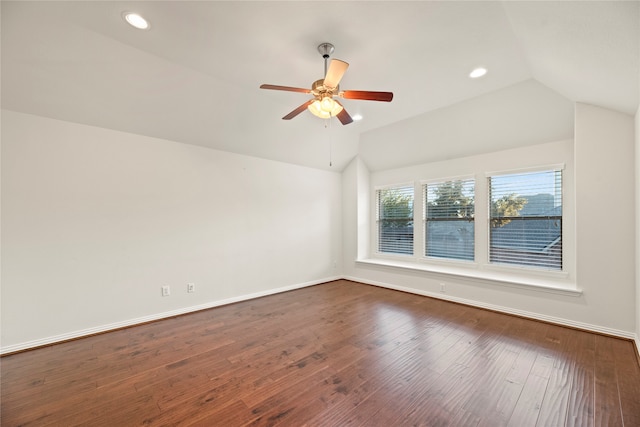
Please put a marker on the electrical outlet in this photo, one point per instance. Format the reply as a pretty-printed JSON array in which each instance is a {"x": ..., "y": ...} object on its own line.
[
  {"x": 443, "y": 287},
  {"x": 191, "y": 287},
  {"x": 166, "y": 291}
]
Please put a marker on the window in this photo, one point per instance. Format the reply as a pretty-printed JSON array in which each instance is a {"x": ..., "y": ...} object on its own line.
[
  {"x": 525, "y": 219},
  {"x": 448, "y": 220},
  {"x": 395, "y": 220}
]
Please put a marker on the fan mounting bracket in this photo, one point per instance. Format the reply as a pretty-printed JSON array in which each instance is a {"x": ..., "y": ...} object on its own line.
[{"x": 326, "y": 50}]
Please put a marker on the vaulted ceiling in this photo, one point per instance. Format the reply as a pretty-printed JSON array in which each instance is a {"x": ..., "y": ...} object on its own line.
[{"x": 194, "y": 76}]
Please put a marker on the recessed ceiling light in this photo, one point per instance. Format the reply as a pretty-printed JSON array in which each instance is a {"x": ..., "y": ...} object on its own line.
[
  {"x": 356, "y": 117},
  {"x": 136, "y": 20},
  {"x": 478, "y": 72}
]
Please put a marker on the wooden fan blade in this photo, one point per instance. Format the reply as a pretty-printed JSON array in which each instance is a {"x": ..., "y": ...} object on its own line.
[
  {"x": 298, "y": 110},
  {"x": 367, "y": 95},
  {"x": 343, "y": 116},
  {"x": 287, "y": 88},
  {"x": 335, "y": 72}
]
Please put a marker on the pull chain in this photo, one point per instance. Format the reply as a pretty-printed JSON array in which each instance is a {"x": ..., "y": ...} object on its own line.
[{"x": 327, "y": 125}]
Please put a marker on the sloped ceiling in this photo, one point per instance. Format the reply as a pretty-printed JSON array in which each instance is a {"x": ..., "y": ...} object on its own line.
[
  {"x": 193, "y": 77},
  {"x": 525, "y": 113}
]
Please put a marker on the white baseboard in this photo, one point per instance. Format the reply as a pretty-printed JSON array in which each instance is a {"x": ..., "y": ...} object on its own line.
[
  {"x": 158, "y": 316},
  {"x": 506, "y": 310}
]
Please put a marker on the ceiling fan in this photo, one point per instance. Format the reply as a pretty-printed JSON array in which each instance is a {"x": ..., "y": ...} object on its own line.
[{"x": 323, "y": 104}]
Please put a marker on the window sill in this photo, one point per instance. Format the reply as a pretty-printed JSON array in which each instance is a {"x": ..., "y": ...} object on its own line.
[{"x": 491, "y": 274}]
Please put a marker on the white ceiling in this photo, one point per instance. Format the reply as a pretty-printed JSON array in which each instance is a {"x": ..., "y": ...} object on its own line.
[{"x": 194, "y": 76}]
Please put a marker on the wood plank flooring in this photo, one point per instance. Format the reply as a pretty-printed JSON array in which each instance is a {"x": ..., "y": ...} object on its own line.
[{"x": 336, "y": 354}]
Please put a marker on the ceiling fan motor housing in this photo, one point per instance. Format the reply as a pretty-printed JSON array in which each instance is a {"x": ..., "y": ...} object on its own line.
[{"x": 319, "y": 90}]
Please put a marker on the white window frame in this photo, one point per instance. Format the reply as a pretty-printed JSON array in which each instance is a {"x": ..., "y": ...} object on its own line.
[{"x": 479, "y": 271}]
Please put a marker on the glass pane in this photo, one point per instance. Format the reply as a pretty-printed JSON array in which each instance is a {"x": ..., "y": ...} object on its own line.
[
  {"x": 396, "y": 238},
  {"x": 451, "y": 199},
  {"x": 526, "y": 219},
  {"x": 529, "y": 242},
  {"x": 395, "y": 220},
  {"x": 531, "y": 194},
  {"x": 450, "y": 239},
  {"x": 449, "y": 213}
]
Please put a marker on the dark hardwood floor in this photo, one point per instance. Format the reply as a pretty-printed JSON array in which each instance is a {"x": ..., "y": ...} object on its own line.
[{"x": 336, "y": 354}]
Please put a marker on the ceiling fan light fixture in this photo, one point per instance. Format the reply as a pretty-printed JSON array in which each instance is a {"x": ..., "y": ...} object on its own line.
[
  {"x": 325, "y": 108},
  {"x": 327, "y": 104}
]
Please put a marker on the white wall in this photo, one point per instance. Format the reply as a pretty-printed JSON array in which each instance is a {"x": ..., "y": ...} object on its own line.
[
  {"x": 604, "y": 268},
  {"x": 637, "y": 160},
  {"x": 355, "y": 192},
  {"x": 94, "y": 221},
  {"x": 605, "y": 176}
]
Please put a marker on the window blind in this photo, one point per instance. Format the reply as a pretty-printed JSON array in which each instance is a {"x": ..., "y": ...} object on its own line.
[
  {"x": 525, "y": 221},
  {"x": 449, "y": 219},
  {"x": 395, "y": 220}
]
